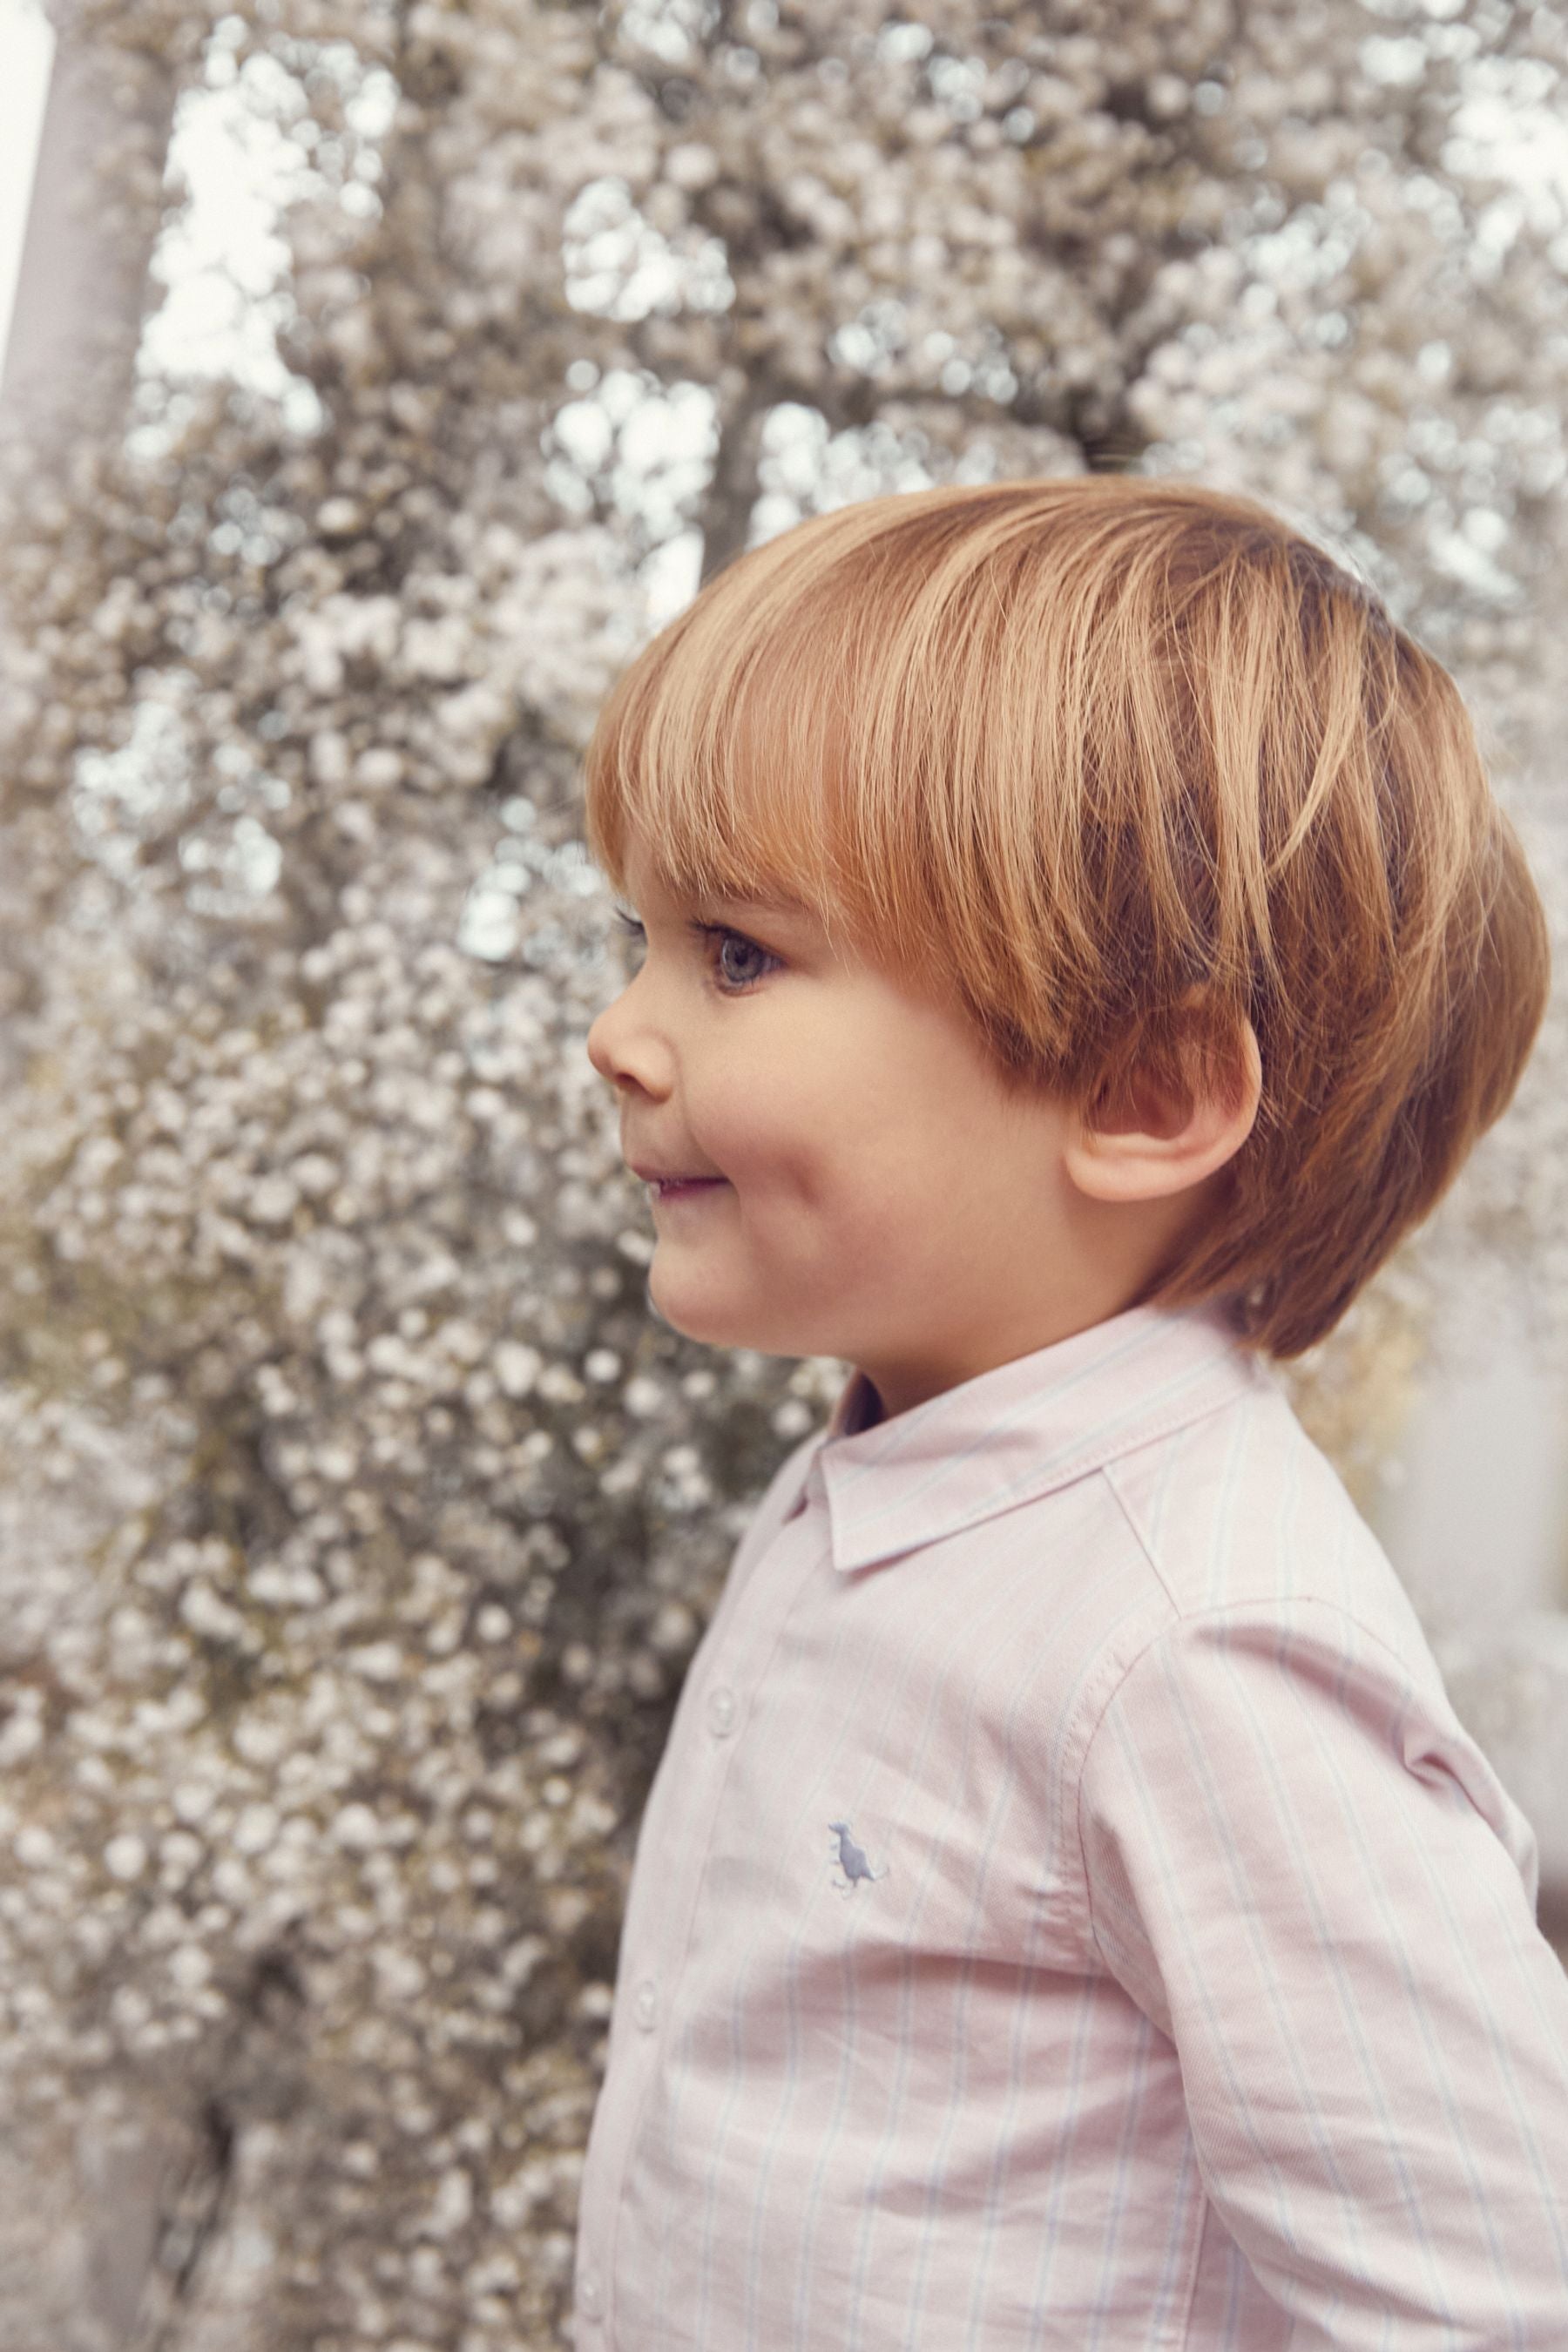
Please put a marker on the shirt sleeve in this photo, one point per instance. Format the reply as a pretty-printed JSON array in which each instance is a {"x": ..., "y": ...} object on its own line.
[{"x": 1302, "y": 1869}]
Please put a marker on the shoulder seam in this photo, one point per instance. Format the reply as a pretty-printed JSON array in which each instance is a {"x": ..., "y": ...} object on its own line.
[
  {"x": 1191, "y": 1620},
  {"x": 1106, "y": 1470}
]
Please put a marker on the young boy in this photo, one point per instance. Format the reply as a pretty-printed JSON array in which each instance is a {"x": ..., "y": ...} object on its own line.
[{"x": 1068, "y": 1913}]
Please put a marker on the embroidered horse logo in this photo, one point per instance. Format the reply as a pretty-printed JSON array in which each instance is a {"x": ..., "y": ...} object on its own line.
[{"x": 851, "y": 1860}]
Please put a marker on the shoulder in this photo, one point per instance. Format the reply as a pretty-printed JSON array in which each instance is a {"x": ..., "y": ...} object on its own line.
[
  {"x": 1287, "y": 1636},
  {"x": 1242, "y": 1512},
  {"x": 1275, "y": 1596},
  {"x": 1235, "y": 1526}
]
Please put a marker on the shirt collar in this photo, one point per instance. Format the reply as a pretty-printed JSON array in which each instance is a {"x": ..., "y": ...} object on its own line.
[{"x": 1018, "y": 1430}]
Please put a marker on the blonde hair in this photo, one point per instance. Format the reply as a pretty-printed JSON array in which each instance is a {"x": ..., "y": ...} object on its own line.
[{"x": 1115, "y": 763}]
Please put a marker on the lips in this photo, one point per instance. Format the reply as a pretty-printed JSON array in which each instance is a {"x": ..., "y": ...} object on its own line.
[{"x": 670, "y": 1175}]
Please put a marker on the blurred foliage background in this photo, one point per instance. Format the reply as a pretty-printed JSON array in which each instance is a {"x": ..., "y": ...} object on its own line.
[{"x": 359, "y": 1515}]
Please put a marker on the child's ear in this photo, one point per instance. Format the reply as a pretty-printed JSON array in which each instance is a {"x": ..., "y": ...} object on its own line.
[{"x": 1151, "y": 1134}]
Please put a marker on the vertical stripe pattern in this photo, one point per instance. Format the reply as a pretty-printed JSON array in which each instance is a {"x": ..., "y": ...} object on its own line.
[{"x": 1068, "y": 1913}]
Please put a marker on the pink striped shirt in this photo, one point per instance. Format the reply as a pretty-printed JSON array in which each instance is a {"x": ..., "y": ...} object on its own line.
[{"x": 1068, "y": 1913}]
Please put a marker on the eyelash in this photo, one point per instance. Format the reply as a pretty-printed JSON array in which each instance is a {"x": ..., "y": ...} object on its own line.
[{"x": 718, "y": 933}]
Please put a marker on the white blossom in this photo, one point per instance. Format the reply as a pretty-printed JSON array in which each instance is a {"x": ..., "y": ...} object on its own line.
[{"x": 351, "y": 1494}]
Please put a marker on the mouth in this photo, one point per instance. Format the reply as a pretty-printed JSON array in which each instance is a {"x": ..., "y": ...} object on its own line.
[{"x": 665, "y": 1184}]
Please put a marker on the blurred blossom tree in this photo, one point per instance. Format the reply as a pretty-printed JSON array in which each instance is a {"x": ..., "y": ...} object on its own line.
[{"x": 360, "y": 1518}]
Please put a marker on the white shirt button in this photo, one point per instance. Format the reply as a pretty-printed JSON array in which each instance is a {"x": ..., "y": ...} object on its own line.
[
  {"x": 721, "y": 1711},
  {"x": 645, "y": 2005},
  {"x": 590, "y": 2298}
]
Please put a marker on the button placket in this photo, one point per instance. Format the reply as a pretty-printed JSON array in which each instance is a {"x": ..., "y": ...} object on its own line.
[{"x": 686, "y": 1843}]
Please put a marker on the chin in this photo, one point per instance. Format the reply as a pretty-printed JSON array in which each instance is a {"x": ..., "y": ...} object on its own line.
[
  {"x": 714, "y": 1325},
  {"x": 685, "y": 1314}
]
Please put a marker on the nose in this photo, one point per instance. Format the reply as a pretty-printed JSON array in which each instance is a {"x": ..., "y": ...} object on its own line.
[{"x": 625, "y": 1049}]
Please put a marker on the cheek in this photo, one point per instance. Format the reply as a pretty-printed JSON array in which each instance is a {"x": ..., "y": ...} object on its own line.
[
  {"x": 839, "y": 1109},
  {"x": 814, "y": 1150},
  {"x": 770, "y": 1125},
  {"x": 760, "y": 1145}
]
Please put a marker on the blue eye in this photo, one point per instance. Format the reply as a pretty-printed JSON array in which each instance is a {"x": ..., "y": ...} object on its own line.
[
  {"x": 723, "y": 939},
  {"x": 718, "y": 937}
]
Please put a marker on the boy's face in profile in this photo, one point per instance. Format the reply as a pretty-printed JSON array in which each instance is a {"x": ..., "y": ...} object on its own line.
[{"x": 883, "y": 1198}]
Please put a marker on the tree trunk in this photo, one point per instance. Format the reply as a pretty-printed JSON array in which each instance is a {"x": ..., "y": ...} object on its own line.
[
  {"x": 733, "y": 490},
  {"x": 83, "y": 287}
]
